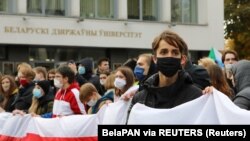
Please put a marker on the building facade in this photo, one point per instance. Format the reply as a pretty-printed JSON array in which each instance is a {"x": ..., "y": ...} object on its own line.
[{"x": 49, "y": 32}]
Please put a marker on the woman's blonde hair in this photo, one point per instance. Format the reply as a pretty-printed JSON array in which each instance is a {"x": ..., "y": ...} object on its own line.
[
  {"x": 23, "y": 65},
  {"x": 34, "y": 106},
  {"x": 109, "y": 84},
  {"x": 206, "y": 62},
  {"x": 218, "y": 80},
  {"x": 28, "y": 73},
  {"x": 86, "y": 91}
]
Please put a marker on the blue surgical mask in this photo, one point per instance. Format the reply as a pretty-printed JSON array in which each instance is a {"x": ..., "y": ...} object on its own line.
[
  {"x": 81, "y": 70},
  {"x": 35, "y": 80},
  {"x": 138, "y": 71},
  {"x": 37, "y": 93}
]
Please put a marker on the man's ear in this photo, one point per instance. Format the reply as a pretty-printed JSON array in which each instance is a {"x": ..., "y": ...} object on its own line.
[
  {"x": 183, "y": 60},
  {"x": 66, "y": 79}
]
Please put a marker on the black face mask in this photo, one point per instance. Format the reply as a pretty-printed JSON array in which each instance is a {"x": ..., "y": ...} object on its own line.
[
  {"x": 168, "y": 65},
  {"x": 51, "y": 82}
]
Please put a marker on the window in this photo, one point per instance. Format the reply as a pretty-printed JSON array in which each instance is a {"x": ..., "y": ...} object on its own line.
[
  {"x": 8, "y": 68},
  {"x": 2, "y": 52},
  {"x": 46, "y": 7},
  {"x": 55, "y": 7},
  {"x": 7, "y": 6},
  {"x": 87, "y": 8},
  {"x": 42, "y": 54},
  {"x": 143, "y": 9},
  {"x": 134, "y": 9},
  {"x": 34, "y": 6},
  {"x": 67, "y": 54},
  {"x": 184, "y": 11},
  {"x": 97, "y": 8},
  {"x": 3, "y": 6}
]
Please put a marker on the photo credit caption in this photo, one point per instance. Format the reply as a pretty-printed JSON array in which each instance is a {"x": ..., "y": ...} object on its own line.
[{"x": 173, "y": 131}]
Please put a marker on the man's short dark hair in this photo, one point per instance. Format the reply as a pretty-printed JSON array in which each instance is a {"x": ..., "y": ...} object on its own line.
[
  {"x": 102, "y": 60},
  {"x": 171, "y": 38},
  {"x": 229, "y": 52},
  {"x": 66, "y": 71}
]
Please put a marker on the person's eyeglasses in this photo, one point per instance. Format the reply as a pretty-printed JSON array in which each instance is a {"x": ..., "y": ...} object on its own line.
[{"x": 232, "y": 59}]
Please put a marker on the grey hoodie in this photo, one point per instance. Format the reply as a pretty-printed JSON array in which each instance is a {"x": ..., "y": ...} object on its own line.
[{"x": 241, "y": 72}]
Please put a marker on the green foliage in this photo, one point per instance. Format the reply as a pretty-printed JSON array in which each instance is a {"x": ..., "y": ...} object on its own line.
[{"x": 237, "y": 25}]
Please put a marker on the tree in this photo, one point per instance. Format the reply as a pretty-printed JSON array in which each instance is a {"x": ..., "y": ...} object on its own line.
[{"x": 237, "y": 25}]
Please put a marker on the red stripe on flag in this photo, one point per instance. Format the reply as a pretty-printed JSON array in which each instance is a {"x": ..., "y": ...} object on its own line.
[
  {"x": 9, "y": 138},
  {"x": 35, "y": 137}
]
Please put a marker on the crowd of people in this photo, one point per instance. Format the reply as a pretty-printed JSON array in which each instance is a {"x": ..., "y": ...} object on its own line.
[{"x": 166, "y": 78}]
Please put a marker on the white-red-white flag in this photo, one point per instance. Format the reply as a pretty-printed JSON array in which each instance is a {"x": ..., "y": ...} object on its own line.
[{"x": 68, "y": 128}]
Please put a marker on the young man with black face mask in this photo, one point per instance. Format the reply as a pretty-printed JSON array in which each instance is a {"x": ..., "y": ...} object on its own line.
[{"x": 171, "y": 86}]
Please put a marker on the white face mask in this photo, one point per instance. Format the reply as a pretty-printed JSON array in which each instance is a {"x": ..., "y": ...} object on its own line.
[
  {"x": 120, "y": 83},
  {"x": 228, "y": 67},
  {"x": 91, "y": 102},
  {"x": 102, "y": 81},
  {"x": 57, "y": 83}
]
